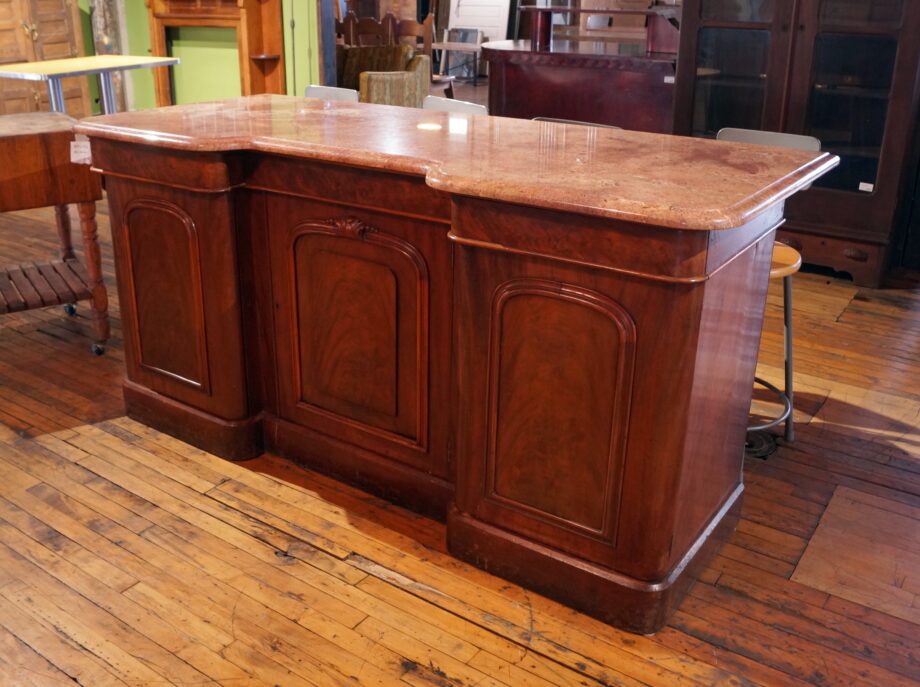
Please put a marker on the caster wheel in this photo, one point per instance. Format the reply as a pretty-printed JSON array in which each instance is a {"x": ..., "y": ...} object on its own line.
[
  {"x": 97, "y": 349},
  {"x": 759, "y": 444},
  {"x": 70, "y": 309}
]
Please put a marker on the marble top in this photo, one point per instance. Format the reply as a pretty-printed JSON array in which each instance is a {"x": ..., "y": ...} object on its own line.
[
  {"x": 80, "y": 66},
  {"x": 30, "y": 123},
  {"x": 671, "y": 181}
]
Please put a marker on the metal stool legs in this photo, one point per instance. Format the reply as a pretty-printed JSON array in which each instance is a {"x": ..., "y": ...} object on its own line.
[
  {"x": 786, "y": 396},
  {"x": 789, "y": 433}
]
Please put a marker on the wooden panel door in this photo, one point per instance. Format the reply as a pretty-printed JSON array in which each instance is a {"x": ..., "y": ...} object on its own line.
[
  {"x": 560, "y": 366},
  {"x": 178, "y": 288},
  {"x": 16, "y": 46},
  {"x": 364, "y": 352},
  {"x": 58, "y": 35}
]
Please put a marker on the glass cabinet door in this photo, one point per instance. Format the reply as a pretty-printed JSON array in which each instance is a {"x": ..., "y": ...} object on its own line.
[
  {"x": 852, "y": 66},
  {"x": 731, "y": 78},
  {"x": 738, "y": 10},
  {"x": 738, "y": 51}
]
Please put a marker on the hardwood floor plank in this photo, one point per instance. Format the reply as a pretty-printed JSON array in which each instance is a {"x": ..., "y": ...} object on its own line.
[
  {"x": 21, "y": 662},
  {"x": 81, "y": 633},
  {"x": 70, "y": 658}
]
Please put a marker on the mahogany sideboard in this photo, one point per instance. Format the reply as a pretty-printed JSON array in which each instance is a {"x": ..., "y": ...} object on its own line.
[
  {"x": 613, "y": 83},
  {"x": 545, "y": 333}
]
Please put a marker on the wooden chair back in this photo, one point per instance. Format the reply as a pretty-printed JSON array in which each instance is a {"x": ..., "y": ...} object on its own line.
[
  {"x": 364, "y": 8},
  {"x": 370, "y": 31},
  {"x": 363, "y": 31},
  {"x": 419, "y": 35}
]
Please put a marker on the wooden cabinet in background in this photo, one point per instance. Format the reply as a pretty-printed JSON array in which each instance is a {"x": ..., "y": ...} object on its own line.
[
  {"x": 844, "y": 71},
  {"x": 259, "y": 37},
  {"x": 33, "y": 30}
]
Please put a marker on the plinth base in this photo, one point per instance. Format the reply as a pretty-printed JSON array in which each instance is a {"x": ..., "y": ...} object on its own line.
[{"x": 635, "y": 605}]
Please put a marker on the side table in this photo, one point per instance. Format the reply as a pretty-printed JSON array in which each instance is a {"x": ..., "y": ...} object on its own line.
[{"x": 37, "y": 172}]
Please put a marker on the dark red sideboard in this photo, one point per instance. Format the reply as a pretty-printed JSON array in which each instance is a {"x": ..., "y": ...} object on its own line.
[{"x": 588, "y": 81}]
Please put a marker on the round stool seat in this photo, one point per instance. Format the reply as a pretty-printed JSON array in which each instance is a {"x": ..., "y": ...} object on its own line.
[{"x": 786, "y": 260}]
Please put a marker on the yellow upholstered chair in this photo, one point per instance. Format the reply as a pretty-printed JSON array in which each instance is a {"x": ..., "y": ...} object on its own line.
[{"x": 386, "y": 74}]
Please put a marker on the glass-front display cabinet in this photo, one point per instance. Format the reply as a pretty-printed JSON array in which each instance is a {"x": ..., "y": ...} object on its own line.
[{"x": 843, "y": 71}]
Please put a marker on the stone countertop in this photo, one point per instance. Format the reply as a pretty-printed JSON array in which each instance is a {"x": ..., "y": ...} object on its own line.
[
  {"x": 31, "y": 123},
  {"x": 671, "y": 181}
]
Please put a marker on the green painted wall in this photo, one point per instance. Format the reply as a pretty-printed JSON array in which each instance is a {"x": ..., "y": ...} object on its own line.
[
  {"x": 139, "y": 44},
  {"x": 209, "y": 67},
  {"x": 301, "y": 47},
  {"x": 89, "y": 49}
]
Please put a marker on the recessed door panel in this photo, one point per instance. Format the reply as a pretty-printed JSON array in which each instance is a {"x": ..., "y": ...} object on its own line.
[
  {"x": 349, "y": 321},
  {"x": 165, "y": 280},
  {"x": 362, "y": 349},
  {"x": 560, "y": 374},
  {"x": 359, "y": 334}
]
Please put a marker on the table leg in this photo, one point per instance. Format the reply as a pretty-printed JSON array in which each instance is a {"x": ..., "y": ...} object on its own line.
[
  {"x": 93, "y": 264},
  {"x": 107, "y": 92},
  {"x": 56, "y": 94},
  {"x": 475, "y": 70},
  {"x": 62, "y": 217}
]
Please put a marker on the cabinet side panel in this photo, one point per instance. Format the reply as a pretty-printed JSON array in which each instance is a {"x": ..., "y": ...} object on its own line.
[{"x": 732, "y": 316}]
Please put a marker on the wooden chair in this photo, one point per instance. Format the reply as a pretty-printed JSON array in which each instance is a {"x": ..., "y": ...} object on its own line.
[
  {"x": 386, "y": 74},
  {"x": 355, "y": 30},
  {"x": 38, "y": 172},
  {"x": 420, "y": 35},
  {"x": 786, "y": 262},
  {"x": 370, "y": 31}
]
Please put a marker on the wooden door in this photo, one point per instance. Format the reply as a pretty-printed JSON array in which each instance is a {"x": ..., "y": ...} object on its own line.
[
  {"x": 58, "y": 35},
  {"x": 16, "y": 46}
]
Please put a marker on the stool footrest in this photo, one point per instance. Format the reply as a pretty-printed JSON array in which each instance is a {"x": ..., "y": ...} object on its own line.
[
  {"x": 782, "y": 397},
  {"x": 39, "y": 284}
]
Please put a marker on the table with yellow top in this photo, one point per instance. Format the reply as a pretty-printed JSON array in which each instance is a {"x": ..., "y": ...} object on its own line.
[{"x": 52, "y": 71}]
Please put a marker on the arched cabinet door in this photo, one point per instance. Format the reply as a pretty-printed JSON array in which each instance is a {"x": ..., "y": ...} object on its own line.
[
  {"x": 560, "y": 371},
  {"x": 179, "y": 294},
  {"x": 354, "y": 345}
]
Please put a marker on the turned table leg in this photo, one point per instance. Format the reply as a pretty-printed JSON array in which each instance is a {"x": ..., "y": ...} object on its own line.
[
  {"x": 63, "y": 228},
  {"x": 100, "y": 300}
]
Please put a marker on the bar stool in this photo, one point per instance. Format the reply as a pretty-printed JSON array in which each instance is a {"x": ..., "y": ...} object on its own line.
[{"x": 786, "y": 261}]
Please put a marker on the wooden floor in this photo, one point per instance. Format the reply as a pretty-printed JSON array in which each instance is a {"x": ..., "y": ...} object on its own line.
[{"x": 129, "y": 558}]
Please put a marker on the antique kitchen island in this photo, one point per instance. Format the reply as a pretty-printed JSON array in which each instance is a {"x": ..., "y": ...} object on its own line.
[{"x": 546, "y": 333}]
